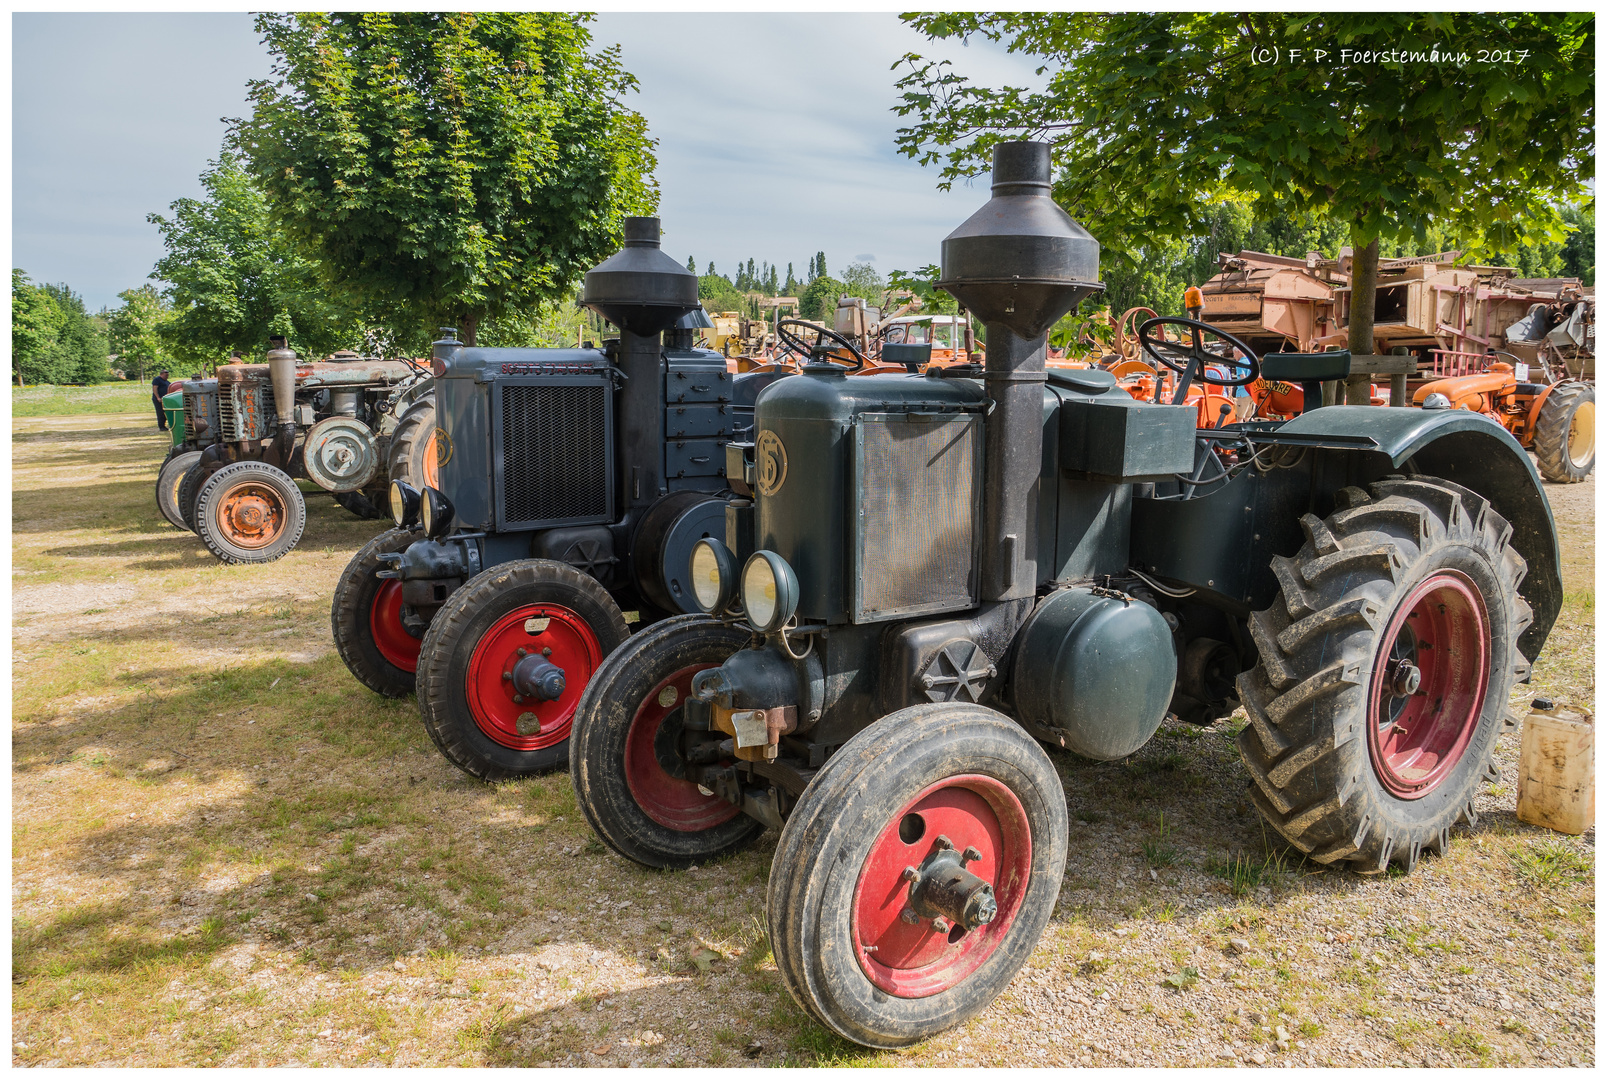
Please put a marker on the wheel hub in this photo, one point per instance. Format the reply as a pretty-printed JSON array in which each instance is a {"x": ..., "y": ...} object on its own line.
[
  {"x": 1405, "y": 678},
  {"x": 526, "y": 675},
  {"x": 536, "y": 678},
  {"x": 250, "y": 516},
  {"x": 943, "y": 890}
]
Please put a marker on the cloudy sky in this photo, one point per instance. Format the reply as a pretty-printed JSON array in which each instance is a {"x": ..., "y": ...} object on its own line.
[{"x": 775, "y": 135}]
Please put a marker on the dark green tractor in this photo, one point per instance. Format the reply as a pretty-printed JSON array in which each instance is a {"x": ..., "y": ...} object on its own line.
[{"x": 936, "y": 576}]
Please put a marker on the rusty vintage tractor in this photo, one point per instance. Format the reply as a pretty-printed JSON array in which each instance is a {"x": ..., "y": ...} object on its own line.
[
  {"x": 1557, "y": 421},
  {"x": 935, "y": 576}
]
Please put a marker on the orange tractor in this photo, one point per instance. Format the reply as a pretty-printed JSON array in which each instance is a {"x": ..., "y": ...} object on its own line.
[{"x": 1556, "y": 421}]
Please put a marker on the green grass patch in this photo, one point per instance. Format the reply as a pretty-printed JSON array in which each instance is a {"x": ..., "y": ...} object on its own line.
[
  {"x": 106, "y": 399},
  {"x": 1549, "y": 864}
]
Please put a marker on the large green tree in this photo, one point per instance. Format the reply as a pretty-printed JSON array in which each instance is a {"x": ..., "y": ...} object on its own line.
[
  {"x": 134, "y": 331},
  {"x": 1390, "y": 123},
  {"x": 54, "y": 338},
  {"x": 458, "y": 166},
  {"x": 233, "y": 279}
]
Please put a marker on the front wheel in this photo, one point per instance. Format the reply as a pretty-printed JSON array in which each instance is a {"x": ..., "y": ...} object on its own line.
[
  {"x": 627, "y": 773},
  {"x": 250, "y": 512},
  {"x": 1386, "y": 663},
  {"x": 366, "y": 619},
  {"x": 1565, "y": 433},
  {"x": 168, "y": 482},
  {"x": 917, "y": 873},
  {"x": 505, "y": 662}
]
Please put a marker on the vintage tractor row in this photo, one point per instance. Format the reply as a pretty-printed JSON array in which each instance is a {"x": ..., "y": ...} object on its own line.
[
  {"x": 572, "y": 484},
  {"x": 935, "y": 575},
  {"x": 349, "y": 425}
]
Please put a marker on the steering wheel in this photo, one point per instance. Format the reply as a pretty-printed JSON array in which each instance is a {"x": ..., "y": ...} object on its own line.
[
  {"x": 1190, "y": 357},
  {"x": 818, "y": 350}
]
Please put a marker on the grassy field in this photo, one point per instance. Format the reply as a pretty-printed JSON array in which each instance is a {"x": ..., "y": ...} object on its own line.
[
  {"x": 104, "y": 400},
  {"x": 226, "y": 852}
]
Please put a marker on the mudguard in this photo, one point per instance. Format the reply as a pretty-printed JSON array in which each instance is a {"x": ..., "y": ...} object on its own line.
[{"x": 1470, "y": 449}]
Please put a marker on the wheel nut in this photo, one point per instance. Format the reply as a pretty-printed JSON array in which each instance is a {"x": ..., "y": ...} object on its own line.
[
  {"x": 517, "y": 700},
  {"x": 522, "y": 653},
  {"x": 546, "y": 652},
  {"x": 970, "y": 854},
  {"x": 944, "y": 843},
  {"x": 909, "y": 916},
  {"x": 507, "y": 676},
  {"x": 940, "y": 924},
  {"x": 910, "y": 873}
]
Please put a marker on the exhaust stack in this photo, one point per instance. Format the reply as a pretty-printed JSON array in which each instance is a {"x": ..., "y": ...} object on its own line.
[
  {"x": 1019, "y": 264},
  {"x": 282, "y": 375},
  {"x": 644, "y": 292}
]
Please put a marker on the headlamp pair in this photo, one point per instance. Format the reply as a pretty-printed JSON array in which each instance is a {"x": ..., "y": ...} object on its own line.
[
  {"x": 769, "y": 588},
  {"x": 410, "y": 506}
]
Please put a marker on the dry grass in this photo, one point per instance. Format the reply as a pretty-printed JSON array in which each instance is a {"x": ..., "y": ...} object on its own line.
[{"x": 226, "y": 852}]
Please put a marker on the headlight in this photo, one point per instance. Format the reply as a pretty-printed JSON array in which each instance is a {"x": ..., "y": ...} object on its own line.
[
  {"x": 769, "y": 591},
  {"x": 404, "y": 504},
  {"x": 714, "y": 575},
  {"x": 436, "y": 513}
]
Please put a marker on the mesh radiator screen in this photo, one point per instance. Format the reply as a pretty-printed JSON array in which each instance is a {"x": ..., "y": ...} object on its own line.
[
  {"x": 554, "y": 453},
  {"x": 917, "y": 547}
]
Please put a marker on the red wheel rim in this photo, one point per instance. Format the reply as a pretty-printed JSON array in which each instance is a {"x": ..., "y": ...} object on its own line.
[
  {"x": 396, "y": 645},
  {"x": 916, "y": 961},
  {"x": 672, "y": 802},
  {"x": 533, "y": 628},
  {"x": 1417, "y": 734}
]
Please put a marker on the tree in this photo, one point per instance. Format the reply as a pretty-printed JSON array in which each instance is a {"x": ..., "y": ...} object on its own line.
[
  {"x": 819, "y": 300},
  {"x": 791, "y": 287},
  {"x": 232, "y": 278},
  {"x": 134, "y": 331},
  {"x": 454, "y": 166},
  {"x": 861, "y": 279},
  {"x": 36, "y": 324},
  {"x": 1158, "y": 117},
  {"x": 691, "y": 264}
]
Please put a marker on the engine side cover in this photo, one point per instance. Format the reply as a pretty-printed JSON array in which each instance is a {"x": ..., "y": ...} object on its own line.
[{"x": 1094, "y": 671}]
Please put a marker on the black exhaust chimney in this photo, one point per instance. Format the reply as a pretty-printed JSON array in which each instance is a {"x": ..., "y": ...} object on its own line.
[
  {"x": 1019, "y": 264},
  {"x": 642, "y": 291}
]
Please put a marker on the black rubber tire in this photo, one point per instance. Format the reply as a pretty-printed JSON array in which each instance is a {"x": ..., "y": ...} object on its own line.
[
  {"x": 360, "y": 504},
  {"x": 1306, "y": 746},
  {"x": 602, "y": 722},
  {"x": 168, "y": 482},
  {"x": 189, "y": 488},
  {"x": 831, "y": 830},
  {"x": 456, "y": 630},
  {"x": 290, "y": 500},
  {"x": 413, "y": 438},
  {"x": 1553, "y": 429},
  {"x": 351, "y": 611}
]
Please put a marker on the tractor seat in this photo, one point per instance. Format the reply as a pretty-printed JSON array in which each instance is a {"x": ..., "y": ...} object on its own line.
[
  {"x": 912, "y": 357},
  {"x": 1083, "y": 380},
  {"x": 1310, "y": 370}
]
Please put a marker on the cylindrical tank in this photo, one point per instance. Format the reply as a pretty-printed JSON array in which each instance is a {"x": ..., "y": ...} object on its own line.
[
  {"x": 1097, "y": 668},
  {"x": 282, "y": 374},
  {"x": 344, "y": 402}
]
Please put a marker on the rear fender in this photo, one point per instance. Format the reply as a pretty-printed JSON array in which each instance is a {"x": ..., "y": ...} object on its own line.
[{"x": 1475, "y": 451}]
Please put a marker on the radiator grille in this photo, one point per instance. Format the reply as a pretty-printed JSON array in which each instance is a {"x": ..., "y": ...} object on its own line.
[
  {"x": 917, "y": 545},
  {"x": 201, "y": 407},
  {"x": 554, "y": 446}
]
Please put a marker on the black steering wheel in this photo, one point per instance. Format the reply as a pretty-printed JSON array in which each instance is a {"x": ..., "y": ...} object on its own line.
[
  {"x": 818, "y": 351},
  {"x": 1190, "y": 358}
]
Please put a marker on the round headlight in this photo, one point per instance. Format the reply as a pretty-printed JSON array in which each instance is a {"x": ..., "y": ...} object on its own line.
[
  {"x": 714, "y": 574},
  {"x": 769, "y": 591},
  {"x": 404, "y": 504},
  {"x": 436, "y": 513}
]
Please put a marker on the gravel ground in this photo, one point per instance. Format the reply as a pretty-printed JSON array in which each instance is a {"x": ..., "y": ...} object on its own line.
[{"x": 225, "y": 852}]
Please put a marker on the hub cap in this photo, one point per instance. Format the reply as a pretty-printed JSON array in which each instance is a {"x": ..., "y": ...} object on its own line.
[
  {"x": 1582, "y": 435},
  {"x": 251, "y": 515},
  {"x": 1428, "y": 685},
  {"x": 501, "y": 712},
  {"x": 903, "y": 945},
  {"x": 671, "y": 801},
  {"x": 395, "y": 644}
]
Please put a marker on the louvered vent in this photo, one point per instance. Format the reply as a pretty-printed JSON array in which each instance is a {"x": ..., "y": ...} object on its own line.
[
  {"x": 916, "y": 547},
  {"x": 553, "y": 443}
]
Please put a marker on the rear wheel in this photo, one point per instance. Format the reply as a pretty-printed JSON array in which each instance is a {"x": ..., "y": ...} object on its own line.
[
  {"x": 626, "y": 771},
  {"x": 414, "y": 457},
  {"x": 1386, "y": 664},
  {"x": 366, "y": 619},
  {"x": 250, "y": 512},
  {"x": 505, "y": 662},
  {"x": 168, "y": 483},
  {"x": 189, "y": 488},
  {"x": 1565, "y": 433},
  {"x": 917, "y": 873}
]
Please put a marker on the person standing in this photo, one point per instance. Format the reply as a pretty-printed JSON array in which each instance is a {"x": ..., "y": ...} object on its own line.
[{"x": 159, "y": 387}]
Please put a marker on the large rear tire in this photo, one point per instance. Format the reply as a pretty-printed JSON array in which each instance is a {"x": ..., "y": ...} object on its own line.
[
  {"x": 853, "y": 944},
  {"x": 629, "y": 713},
  {"x": 414, "y": 456},
  {"x": 249, "y": 512},
  {"x": 168, "y": 483},
  {"x": 1565, "y": 433},
  {"x": 366, "y": 619},
  {"x": 477, "y": 639},
  {"x": 1386, "y": 663}
]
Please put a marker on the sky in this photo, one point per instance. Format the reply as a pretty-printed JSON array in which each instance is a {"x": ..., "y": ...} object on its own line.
[{"x": 775, "y": 135}]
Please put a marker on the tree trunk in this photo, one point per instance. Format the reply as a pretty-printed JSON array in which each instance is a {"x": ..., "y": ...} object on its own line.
[
  {"x": 1363, "y": 301},
  {"x": 470, "y": 328}
]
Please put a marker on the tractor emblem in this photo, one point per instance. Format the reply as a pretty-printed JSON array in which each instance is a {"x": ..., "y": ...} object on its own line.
[
  {"x": 771, "y": 459},
  {"x": 443, "y": 447}
]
